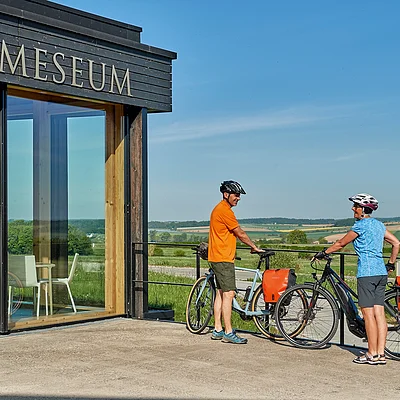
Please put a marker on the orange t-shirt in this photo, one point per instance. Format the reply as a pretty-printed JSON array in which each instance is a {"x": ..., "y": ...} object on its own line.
[{"x": 221, "y": 240}]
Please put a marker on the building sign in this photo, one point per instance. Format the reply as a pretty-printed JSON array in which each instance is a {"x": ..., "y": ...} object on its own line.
[
  {"x": 72, "y": 67},
  {"x": 100, "y": 59}
]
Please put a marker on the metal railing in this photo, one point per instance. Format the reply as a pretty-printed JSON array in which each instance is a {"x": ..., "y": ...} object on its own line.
[{"x": 197, "y": 270}]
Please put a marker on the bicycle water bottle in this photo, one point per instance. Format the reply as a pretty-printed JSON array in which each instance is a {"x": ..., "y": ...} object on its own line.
[{"x": 247, "y": 293}]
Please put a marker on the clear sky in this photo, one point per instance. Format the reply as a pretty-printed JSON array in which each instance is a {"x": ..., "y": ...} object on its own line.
[{"x": 297, "y": 100}]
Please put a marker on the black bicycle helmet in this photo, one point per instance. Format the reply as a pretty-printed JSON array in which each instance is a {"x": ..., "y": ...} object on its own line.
[{"x": 231, "y": 187}]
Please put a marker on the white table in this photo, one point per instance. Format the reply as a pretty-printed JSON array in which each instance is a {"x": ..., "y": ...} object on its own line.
[{"x": 49, "y": 267}]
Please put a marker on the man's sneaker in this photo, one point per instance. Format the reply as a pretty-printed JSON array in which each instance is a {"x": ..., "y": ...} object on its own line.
[
  {"x": 217, "y": 335},
  {"x": 233, "y": 338}
]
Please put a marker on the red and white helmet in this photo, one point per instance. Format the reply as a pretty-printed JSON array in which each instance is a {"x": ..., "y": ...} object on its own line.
[{"x": 365, "y": 200}]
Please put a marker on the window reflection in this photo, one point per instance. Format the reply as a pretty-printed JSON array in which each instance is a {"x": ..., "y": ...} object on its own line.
[{"x": 56, "y": 189}]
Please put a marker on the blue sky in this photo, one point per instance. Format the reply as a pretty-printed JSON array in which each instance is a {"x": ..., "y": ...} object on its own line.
[{"x": 298, "y": 101}]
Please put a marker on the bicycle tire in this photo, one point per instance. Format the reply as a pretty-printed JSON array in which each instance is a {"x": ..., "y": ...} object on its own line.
[
  {"x": 392, "y": 315},
  {"x": 266, "y": 323},
  {"x": 315, "y": 331},
  {"x": 200, "y": 305},
  {"x": 16, "y": 300}
]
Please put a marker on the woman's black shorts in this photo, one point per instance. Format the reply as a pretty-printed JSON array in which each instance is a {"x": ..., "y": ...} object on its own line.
[{"x": 371, "y": 290}]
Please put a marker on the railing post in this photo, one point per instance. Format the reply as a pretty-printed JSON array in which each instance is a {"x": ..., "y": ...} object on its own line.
[
  {"x": 341, "y": 328},
  {"x": 197, "y": 265},
  {"x": 132, "y": 288}
]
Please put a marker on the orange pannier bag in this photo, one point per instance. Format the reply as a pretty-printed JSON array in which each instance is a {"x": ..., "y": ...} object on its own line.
[{"x": 275, "y": 282}]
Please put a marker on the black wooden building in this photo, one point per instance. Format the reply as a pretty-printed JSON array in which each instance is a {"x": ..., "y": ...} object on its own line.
[{"x": 75, "y": 92}]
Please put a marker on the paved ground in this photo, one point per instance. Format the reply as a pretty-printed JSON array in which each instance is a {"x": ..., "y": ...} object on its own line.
[{"x": 135, "y": 359}]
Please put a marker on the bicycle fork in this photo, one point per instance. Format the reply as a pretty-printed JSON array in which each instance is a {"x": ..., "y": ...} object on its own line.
[
  {"x": 312, "y": 303},
  {"x": 201, "y": 291}
]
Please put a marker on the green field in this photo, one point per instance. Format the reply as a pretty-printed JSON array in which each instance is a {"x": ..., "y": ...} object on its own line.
[{"x": 265, "y": 232}]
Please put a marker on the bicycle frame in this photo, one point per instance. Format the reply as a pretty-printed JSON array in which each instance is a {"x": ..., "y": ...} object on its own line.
[
  {"x": 257, "y": 276},
  {"x": 236, "y": 306},
  {"x": 333, "y": 278}
]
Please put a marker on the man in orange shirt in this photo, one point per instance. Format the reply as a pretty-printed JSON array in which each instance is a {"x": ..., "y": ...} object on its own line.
[{"x": 224, "y": 230}]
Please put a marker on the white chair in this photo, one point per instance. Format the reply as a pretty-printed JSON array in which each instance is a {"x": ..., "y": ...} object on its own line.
[
  {"x": 24, "y": 268},
  {"x": 65, "y": 281}
]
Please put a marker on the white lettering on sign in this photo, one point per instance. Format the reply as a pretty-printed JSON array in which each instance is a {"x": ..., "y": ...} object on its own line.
[
  {"x": 69, "y": 70},
  {"x": 20, "y": 57}
]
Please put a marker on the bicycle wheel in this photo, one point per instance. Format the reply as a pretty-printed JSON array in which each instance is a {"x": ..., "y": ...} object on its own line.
[
  {"x": 392, "y": 348},
  {"x": 304, "y": 327},
  {"x": 266, "y": 323},
  {"x": 17, "y": 291},
  {"x": 200, "y": 305}
]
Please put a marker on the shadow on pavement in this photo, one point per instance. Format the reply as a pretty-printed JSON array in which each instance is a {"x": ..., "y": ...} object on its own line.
[{"x": 6, "y": 397}]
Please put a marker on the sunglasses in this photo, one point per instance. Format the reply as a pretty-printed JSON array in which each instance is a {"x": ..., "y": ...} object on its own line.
[{"x": 355, "y": 205}]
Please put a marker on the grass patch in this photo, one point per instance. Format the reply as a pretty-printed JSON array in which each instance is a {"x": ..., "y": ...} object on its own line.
[{"x": 175, "y": 298}]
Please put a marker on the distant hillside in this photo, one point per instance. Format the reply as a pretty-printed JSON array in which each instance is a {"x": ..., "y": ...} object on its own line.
[
  {"x": 253, "y": 221},
  {"x": 264, "y": 221},
  {"x": 89, "y": 225},
  {"x": 350, "y": 221},
  {"x": 97, "y": 226}
]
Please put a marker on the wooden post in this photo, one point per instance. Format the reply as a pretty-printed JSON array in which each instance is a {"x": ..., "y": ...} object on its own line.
[
  {"x": 138, "y": 209},
  {"x": 114, "y": 213}
]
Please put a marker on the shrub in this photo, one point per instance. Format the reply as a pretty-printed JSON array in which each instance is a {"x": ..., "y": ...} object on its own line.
[
  {"x": 179, "y": 253},
  {"x": 157, "y": 251},
  {"x": 281, "y": 260},
  {"x": 285, "y": 260}
]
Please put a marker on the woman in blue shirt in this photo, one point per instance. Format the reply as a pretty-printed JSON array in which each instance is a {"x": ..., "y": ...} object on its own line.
[{"x": 368, "y": 235}]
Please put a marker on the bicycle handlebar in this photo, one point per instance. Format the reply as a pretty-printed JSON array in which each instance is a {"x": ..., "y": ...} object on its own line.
[
  {"x": 264, "y": 253},
  {"x": 327, "y": 265}
]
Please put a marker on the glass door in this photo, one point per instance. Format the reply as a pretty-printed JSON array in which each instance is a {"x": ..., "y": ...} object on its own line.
[{"x": 56, "y": 209}]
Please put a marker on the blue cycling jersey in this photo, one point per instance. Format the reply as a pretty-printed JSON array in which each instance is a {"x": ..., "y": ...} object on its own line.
[{"x": 368, "y": 246}]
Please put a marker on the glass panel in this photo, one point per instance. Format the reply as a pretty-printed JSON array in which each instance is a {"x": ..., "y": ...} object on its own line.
[{"x": 56, "y": 189}]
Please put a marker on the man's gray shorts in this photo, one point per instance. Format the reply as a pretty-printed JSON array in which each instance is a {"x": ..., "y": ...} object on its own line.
[
  {"x": 371, "y": 290},
  {"x": 225, "y": 275}
]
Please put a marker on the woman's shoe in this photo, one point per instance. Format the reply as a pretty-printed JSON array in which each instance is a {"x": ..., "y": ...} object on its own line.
[
  {"x": 382, "y": 359},
  {"x": 367, "y": 359}
]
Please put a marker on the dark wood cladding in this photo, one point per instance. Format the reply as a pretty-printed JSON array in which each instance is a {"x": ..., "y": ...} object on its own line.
[
  {"x": 81, "y": 21},
  {"x": 94, "y": 44}
]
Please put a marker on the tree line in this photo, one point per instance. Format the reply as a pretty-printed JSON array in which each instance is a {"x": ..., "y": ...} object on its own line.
[{"x": 20, "y": 239}]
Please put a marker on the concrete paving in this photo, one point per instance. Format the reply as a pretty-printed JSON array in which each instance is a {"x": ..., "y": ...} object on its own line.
[{"x": 136, "y": 359}]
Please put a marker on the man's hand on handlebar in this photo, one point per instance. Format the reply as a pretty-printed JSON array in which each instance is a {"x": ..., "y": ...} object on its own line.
[{"x": 256, "y": 250}]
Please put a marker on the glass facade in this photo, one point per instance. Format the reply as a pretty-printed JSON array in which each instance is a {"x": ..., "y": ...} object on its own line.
[{"x": 56, "y": 208}]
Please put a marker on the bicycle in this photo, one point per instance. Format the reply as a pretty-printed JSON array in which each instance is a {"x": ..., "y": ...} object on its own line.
[
  {"x": 200, "y": 304},
  {"x": 317, "y": 310}
]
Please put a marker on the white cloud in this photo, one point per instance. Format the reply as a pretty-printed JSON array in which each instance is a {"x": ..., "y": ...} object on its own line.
[{"x": 268, "y": 120}]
